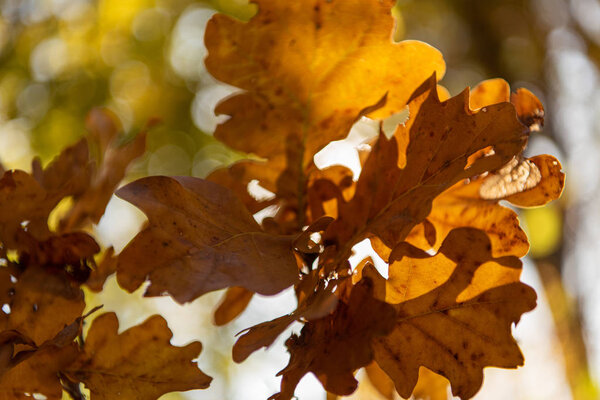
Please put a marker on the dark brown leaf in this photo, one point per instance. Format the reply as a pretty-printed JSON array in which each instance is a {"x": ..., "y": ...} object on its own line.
[
  {"x": 334, "y": 347},
  {"x": 200, "y": 238}
]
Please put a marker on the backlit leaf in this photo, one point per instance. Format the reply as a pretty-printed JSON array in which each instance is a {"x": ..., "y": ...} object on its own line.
[
  {"x": 334, "y": 347},
  {"x": 302, "y": 66},
  {"x": 427, "y": 155},
  {"x": 454, "y": 311}
]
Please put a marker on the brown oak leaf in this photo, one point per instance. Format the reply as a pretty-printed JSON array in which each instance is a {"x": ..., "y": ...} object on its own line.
[
  {"x": 39, "y": 373},
  {"x": 139, "y": 363},
  {"x": 549, "y": 188},
  {"x": 36, "y": 369},
  {"x": 462, "y": 206},
  {"x": 25, "y": 209},
  {"x": 335, "y": 346},
  {"x": 200, "y": 238},
  {"x": 41, "y": 303},
  {"x": 317, "y": 304},
  {"x": 102, "y": 270}
]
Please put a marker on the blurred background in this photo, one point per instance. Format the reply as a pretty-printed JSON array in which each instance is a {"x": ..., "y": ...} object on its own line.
[{"x": 143, "y": 59}]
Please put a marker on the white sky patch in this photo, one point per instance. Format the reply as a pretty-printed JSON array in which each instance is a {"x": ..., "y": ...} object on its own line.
[
  {"x": 344, "y": 152},
  {"x": 120, "y": 223},
  {"x": 266, "y": 212},
  {"x": 258, "y": 192},
  {"x": 363, "y": 250}
]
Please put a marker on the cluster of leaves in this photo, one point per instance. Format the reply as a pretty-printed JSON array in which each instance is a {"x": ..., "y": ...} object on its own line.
[
  {"x": 426, "y": 198},
  {"x": 41, "y": 348}
]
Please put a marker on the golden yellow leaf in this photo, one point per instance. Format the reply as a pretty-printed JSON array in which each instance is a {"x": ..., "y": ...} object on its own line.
[
  {"x": 309, "y": 70},
  {"x": 454, "y": 312}
]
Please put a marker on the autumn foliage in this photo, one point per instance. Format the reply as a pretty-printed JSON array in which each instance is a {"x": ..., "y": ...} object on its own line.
[{"x": 427, "y": 199}]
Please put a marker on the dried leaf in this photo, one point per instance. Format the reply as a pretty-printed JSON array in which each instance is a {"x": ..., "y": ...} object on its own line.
[
  {"x": 38, "y": 374},
  {"x": 303, "y": 242},
  {"x": 68, "y": 174},
  {"x": 68, "y": 250},
  {"x": 454, "y": 312},
  {"x": 115, "y": 160},
  {"x": 140, "y": 363},
  {"x": 41, "y": 303},
  {"x": 315, "y": 306},
  {"x": 8, "y": 340},
  {"x": 334, "y": 347},
  {"x": 200, "y": 238},
  {"x": 427, "y": 155},
  {"x": 529, "y": 109},
  {"x": 25, "y": 209},
  {"x": 488, "y": 92},
  {"x": 37, "y": 369},
  {"x": 28, "y": 201},
  {"x": 103, "y": 127}
]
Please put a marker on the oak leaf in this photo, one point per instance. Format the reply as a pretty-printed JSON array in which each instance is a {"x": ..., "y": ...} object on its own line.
[
  {"x": 41, "y": 303},
  {"x": 39, "y": 373},
  {"x": 200, "y": 238},
  {"x": 335, "y": 346},
  {"x": 318, "y": 304},
  {"x": 9, "y": 356},
  {"x": 25, "y": 209},
  {"x": 454, "y": 312},
  {"x": 68, "y": 174},
  {"x": 302, "y": 66},
  {"x": 37, "y": 369},
  {"x": 140, "y": 363},
  {"x": 462, "y": 205},
  {"x": 549, "y": 188}
]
